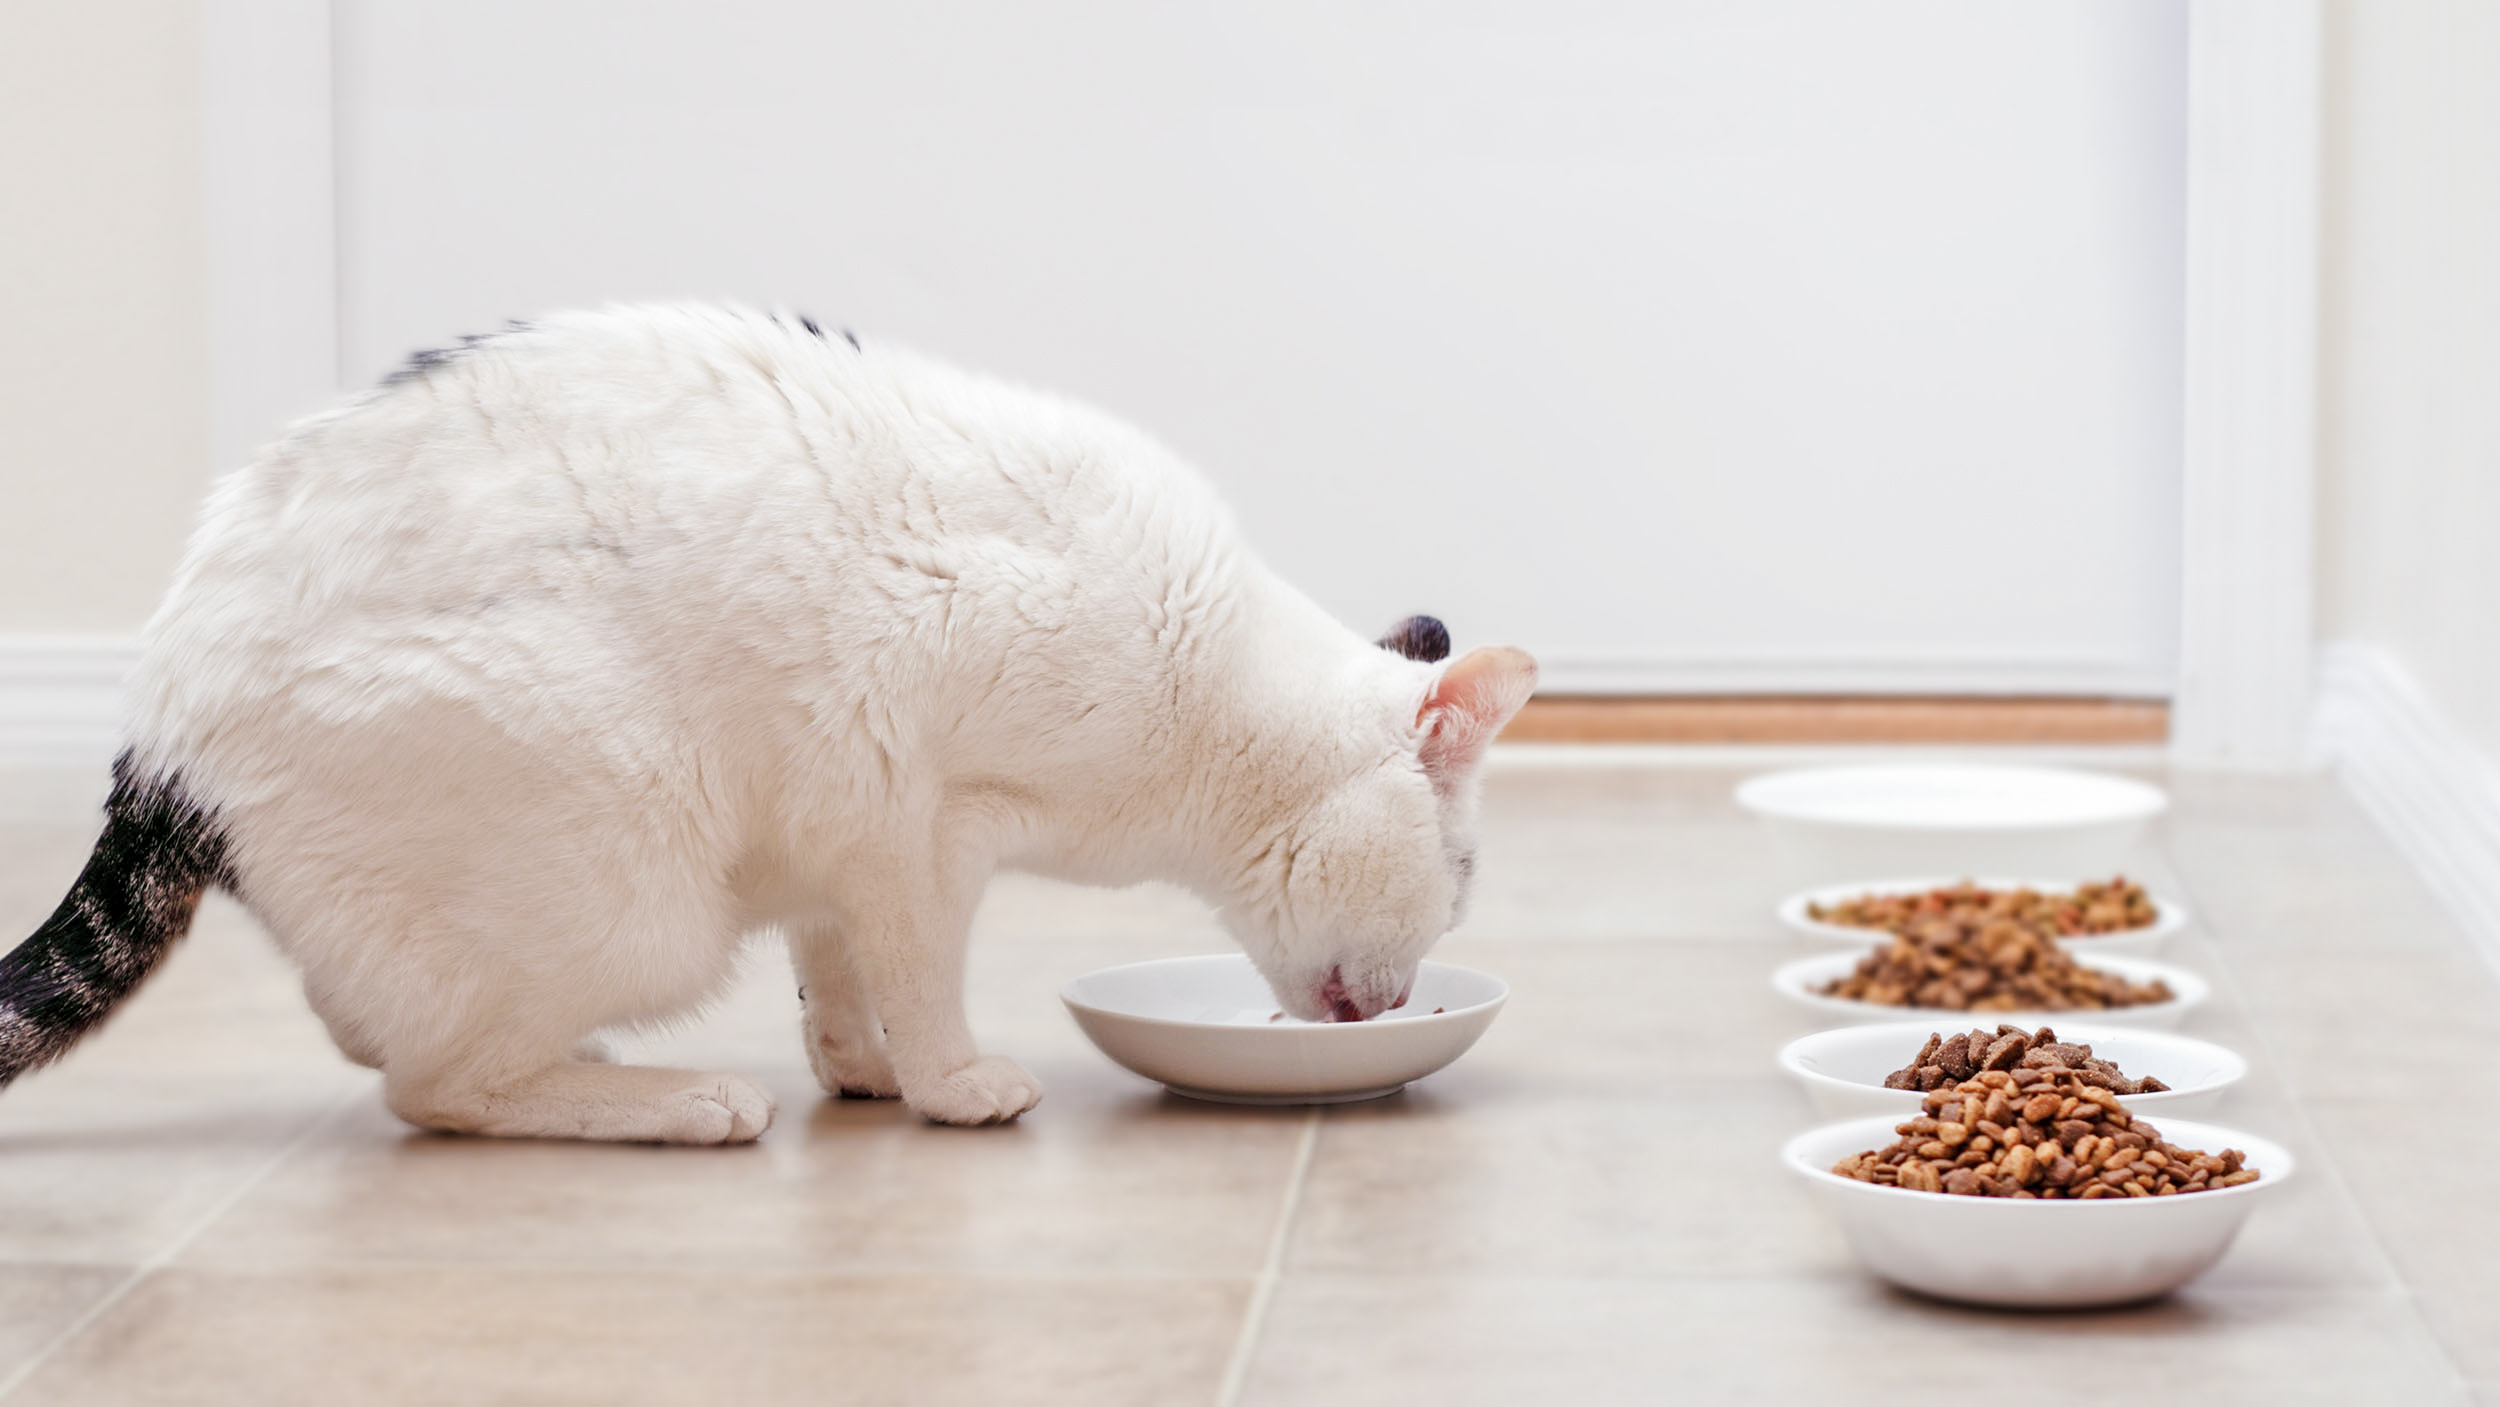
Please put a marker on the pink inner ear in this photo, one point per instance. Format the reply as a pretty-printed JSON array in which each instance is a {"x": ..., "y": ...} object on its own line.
[{"x": 1469, "y": 705}]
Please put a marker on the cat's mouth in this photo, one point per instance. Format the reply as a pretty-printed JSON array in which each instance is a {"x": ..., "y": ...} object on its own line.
[{"x": 1340, "y": 1004}]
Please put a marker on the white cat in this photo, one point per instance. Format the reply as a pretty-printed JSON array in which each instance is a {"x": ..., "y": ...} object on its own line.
[{"x": 513, "y": 695}]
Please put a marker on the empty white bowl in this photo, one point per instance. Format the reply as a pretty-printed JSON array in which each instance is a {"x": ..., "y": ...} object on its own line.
[
  {"x": 2034, "y": 1254},
  {"x": 2168, "y": 918},
  {"x": 1865, "y": 822},
  {"x": 1207, "y": 1027},
  {"x": 1842, "y": 1070},
  {"x": 1801, "y": 981}
]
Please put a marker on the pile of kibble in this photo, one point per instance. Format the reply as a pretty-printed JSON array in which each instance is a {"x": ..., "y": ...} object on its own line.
[
  {"x": 2041, "y": 1133},
  {"x": 1949, "y": 1060},
  {"x": 1966, "y": 908},
  {"x": 2000, "y": 967}
]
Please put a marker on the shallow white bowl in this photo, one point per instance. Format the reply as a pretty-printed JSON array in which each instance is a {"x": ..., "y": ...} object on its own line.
[
  {"x": 1799, "y": 980},
  {"x": 1865, "y": 822},
  {"x": 1842, "y": 1070},
  {"x": 2033, "y": 1254},
  {"x": 1204, "y": 1027},
  {"x": 2168, "y": 918}
]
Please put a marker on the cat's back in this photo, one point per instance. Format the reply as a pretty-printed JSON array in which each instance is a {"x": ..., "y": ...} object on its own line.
[{"x": 696, "y": 490}]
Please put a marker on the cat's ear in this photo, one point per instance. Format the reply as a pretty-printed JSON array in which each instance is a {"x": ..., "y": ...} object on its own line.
[
  {"x": 1418, "y": 638},
  {"x": 1470, "y": 703}
]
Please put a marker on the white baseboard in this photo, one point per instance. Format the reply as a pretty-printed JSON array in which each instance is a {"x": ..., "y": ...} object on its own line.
[
  {"x": 61, "y": 698},
  {"x": 2430, "y": 789}
]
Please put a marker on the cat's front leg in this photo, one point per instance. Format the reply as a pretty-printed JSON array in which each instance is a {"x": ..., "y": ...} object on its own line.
[
  {"x": 845, "y": 1041},
  {"x": 907, "y": 946}
]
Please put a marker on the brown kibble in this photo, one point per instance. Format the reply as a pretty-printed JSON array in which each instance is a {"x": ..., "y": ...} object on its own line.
[
  {"x": 1970, "y": 949},
  {"x": 2040, "y": 1058},
  {"x": 2098, "y": 1153},
  {"x": 2118, "y": 906},
  {"x": 2019, "y": 1164}
]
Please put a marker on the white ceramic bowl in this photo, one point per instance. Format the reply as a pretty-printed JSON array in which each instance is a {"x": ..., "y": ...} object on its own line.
[
  {"x": 1842, "y": 1070},
  {"x": 1207, "y": 1027},
  {"x": 1833, "y": 824},
  {"x": 2168, "y": 918},
  {"x": 2034, "y": 1254},
  {"x": 1800, "y": 981}
]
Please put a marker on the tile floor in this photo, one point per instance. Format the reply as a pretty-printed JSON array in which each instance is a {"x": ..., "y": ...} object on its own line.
[{"x": 206, "y": 1204}]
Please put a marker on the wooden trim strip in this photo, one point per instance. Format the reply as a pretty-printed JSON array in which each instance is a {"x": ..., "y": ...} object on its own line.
[{"x": 1851, "y": 719}]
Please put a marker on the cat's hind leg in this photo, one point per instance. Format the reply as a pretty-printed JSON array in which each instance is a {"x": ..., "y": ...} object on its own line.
[
  {"x": 518, "y": 1060},
  {"x": 483, "y": 1017},
  {"x": 580, "y": 1099}
]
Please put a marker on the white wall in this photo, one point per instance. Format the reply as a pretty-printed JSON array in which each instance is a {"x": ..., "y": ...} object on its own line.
[
  {"x": 103, "y": 348},
  {"x": 2409, "y": 520},
  {"x": 1798, "y": 345},
  {"x": 1665, "y": 339}
]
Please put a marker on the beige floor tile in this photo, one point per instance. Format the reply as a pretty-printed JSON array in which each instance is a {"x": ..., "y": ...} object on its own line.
[
  {"x": 38, "y": 1302},
  {"x": 2333, "y": 1019},
  {"x": 1434, "y": 1181},
  {"x": 1583, "y": 1208},
  {"x": 383, "y": 1337},
  {"x": 2421, "y": 1171},
  {"x": 117, "y": 1171},
  {"x": 1365, "y": 1339},
  {"x": 1592, "y": 1015},
  {"x": 1588, "y": 879},
  {"x": 1108, "y": 1176},
  {"x": 196, "y": 1087},
  {"x": 2342, "y": 892}
]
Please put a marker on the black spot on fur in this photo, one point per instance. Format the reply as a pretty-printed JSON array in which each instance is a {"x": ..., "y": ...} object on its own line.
[
  {"x": 425, "y": 359},
  {"x": 815, "y": 329},
  {"x": 1419, "y": 638},
  {"x": 159, "y": 852}
]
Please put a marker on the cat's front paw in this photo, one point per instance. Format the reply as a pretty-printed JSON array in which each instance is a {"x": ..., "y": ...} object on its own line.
[{"x": 990, "y": 1090}]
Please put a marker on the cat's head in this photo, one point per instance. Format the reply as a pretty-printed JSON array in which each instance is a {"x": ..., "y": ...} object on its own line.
[{"x": 1369, "y": 876}]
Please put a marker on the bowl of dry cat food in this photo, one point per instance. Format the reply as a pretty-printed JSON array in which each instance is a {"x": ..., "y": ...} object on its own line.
[
  {"x": 1209, "y": 1028},
  {"x": 2003, "y": 973},
  {"x": 1856, "y": 1071},
  {"x": 1835, "y": 824},
  {"x": 2112, "y": 916},
  {"x": 2033, "y": 1187}
]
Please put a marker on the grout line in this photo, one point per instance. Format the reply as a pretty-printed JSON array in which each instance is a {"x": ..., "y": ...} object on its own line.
[
  {"x": 164, "y": 1255},
  {"x": 1253, "y": 1319}
]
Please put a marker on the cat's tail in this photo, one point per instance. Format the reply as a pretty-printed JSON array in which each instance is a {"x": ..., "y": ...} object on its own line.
[{"x": 158, "y": 854}]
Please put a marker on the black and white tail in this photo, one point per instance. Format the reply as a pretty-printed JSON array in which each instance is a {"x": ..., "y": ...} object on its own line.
[{"x": 158, "y": 854}]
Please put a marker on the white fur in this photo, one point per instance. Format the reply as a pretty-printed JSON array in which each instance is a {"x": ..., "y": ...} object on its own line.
[{"x": 527, "y": 687}]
